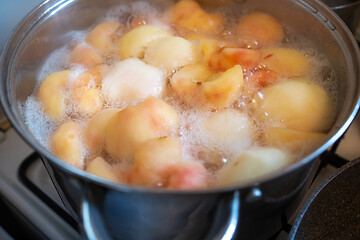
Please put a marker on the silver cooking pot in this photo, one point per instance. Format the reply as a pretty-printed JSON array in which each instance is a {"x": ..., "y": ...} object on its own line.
[{"x": 109, "y": 210}]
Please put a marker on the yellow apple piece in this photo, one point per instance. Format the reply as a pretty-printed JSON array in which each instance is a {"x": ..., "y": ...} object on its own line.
[
  {"x": 252, "y": 164},
  {"x": 209, "y": 48},
  {"x": 185, "y": 82},
  {"x": 66, "y": 144},
  {"x": 188, "y": 175},
  {"x": 171, "y": 53},
  {"x": 189, "y": 15},
  {"x": 211, "y": 45},
  {"x": 91, "y": 78},
  {"x": 51, "y": 94},
  {"x": 101, "y": 168},
  {"x": 224, "y": 89},
  {"x": 132, "y": 126},
  {"x": 87, "y": 100},
  {"x": 296, "y": 104},
  {"x": 153, "y": 161},
  {"x": 134, "y": 43},
  {"x": 229, "y": 57},
  {"x": 132, "y": 80},
  {"x": 86, "y": 94},
  {"x": 94, "y": 131},
  {"x": 259, "y": 29},
  {"x": 85, "y": 56},
  {"x": 295, "y": 141},
  {"x": 284, "y": 61},
  {"x": 102, "y": 36}
]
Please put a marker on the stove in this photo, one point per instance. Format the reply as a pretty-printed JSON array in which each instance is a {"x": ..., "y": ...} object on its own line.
[{"x": 29, "y": 204}]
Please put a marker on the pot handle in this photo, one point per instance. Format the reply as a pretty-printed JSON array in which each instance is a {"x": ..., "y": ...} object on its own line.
[
  {"x": 232, "y": 213},
  {"x": 93, "y": 226}
]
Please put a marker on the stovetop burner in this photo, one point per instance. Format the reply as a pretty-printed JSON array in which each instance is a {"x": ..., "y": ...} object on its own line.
[{"x": 333, "y": 210}]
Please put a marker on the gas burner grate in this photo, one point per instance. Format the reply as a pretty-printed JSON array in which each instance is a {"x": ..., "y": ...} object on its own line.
[{"x": 23, "y": 176}]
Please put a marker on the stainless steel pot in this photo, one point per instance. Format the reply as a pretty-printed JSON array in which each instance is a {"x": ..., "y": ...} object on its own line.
[{"x": 109, "y": 210}]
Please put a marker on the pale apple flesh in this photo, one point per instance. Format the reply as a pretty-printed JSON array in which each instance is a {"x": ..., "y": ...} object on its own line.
[
  {"x": 129, "y": 128},
  {"x": 66, "y": 144},
  {"x": 51, "y": 94},
  {"x": 101, "y": 37},
  {"x": 101, "y": 168},
  {"x": 190, "y": 16}
]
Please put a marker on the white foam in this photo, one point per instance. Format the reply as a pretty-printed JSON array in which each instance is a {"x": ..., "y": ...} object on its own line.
[
  {"x": 57, "y": 61},
  {"x": 39, "y": 124}
]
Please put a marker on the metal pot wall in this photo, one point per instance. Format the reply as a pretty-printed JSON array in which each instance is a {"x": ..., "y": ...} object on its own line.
[{"x": 109, "y": 210}]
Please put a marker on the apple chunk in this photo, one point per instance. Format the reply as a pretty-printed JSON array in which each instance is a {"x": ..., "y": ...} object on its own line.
[
  {"x": 295, "y": 141},
  {"x": 286, "y": 62},
  {"x": 66, "y": 145},
  {"x": 296, "y": 104},
  {"x": 154, "y": 159},
  {"x": 185, "y": 82},
  {"x": 85, "y": 55},
  {"x": 229, "y": 57},
  {"x": 230, "y": 129},
  {"x": 252, "y": 164},
  {"x": 259, "y": 29},
  {"x": 94, "y": 131},
  {"x": 134, "y": 43},
  {"x": 133, "y": 125},
  {"x": 101, "y": 37},
  {"x": 130, "y": 81},
  {"x": 188, "y": 175},
  {"x": 101, "y": 168},
  {"x": 171, "y": 53},
  {"x": 224, "y": 89},
  {"x": 189, "y": 15},
  {"x": 51, "y": 94}
]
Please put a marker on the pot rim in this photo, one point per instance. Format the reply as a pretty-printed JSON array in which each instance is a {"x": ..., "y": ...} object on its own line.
[{"x": 26, "y": 25}]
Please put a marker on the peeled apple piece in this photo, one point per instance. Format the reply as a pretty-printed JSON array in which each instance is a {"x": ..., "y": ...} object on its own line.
[
  {"x": 134, "y": 43},
  {"x": 229, "y": 57},
  {"x": 133, "y": 125},
  {"x": 101, "y": 168},
  {"x": 66, "y": 145},
  {"x": 224, "y": 89},
  {"x": 101, "y": 37},
  {"x": 189, "y": 15},
  {"x": 298, "y": 142},
  {"x": 185, "y": 82},
  {"x": 260, "y": 29},
  {"x": 188, "y": 175},
  {"x": 94, "y": 132},
  {"x": 230, "y": 129},
  {"x": 91, "y": 78},
  {"x": 86, "y": 93},
  {"x": 284, "y": 61},
  {"x": 132, "y": 80},
  {"x": 85, "y": 55},
  {"x": 87, "y": 100},
  {"x": 252, "y": 164},
  {"x": 171, "y": 53},
  {"x": 154, "y": 159},
  {"x": 51, "y": 94},
  {"x": 296, "y": 104}
]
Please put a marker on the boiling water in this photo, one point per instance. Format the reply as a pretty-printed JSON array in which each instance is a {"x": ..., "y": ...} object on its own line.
[{"x": 197, "y": 144}]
